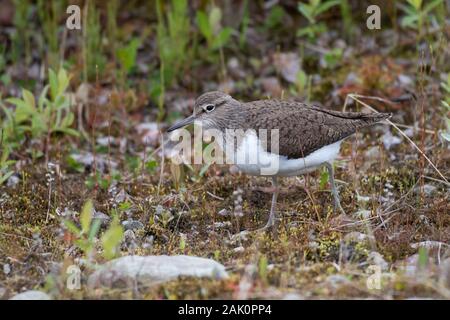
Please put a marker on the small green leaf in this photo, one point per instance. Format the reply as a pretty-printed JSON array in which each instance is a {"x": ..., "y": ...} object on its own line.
[
  {"x": 68, "y": 131},
  {"x": 423, "y": 257},
  {"x": 127, "y": 55},
  {"x": 409, "y": 21},
  {"x": 63, "y": 81},
  {"x": 5, "y": 177},
  {"x": 203, "y": 25},
  {"x": 72, "y": 227},
  {"x": 222, "y": 38},
  {"x": 111, "y": 239},
  {"x": 215, "y": 15},
  {"x": 96, "y": 223},
  {"x": 151, "y": 165},
  {"x": 43, "y": 98},
  {"x": 262, "y": 266},
  {"x": 417, "y": 4},
  {"x": 324, "y": 176},
  {"x": 28, "y": 98},
  {"x": 204, "y": 169},
  {"x": 86, "y": 216},
  {"x": 430, "y": 6},
  {"x": 326, "y": 6},
  {"x": 53, "y": 84}
]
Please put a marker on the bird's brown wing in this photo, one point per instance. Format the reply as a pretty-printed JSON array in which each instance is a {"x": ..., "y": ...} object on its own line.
[{"x": 303, "y": 128}]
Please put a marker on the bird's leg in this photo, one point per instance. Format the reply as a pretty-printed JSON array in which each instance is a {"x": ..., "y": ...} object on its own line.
[
  {"x": 272, "y": 216},
  {"x": 337, "y": 203}
]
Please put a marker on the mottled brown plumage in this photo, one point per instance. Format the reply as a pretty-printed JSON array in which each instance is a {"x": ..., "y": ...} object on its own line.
[{"x": 304, "y": 128}]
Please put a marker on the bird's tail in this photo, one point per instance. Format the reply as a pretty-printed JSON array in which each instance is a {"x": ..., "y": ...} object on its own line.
[{"x": 371, "y": 118}]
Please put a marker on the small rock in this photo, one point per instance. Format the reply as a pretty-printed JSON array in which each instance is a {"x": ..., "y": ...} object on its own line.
[
  {"x": 313, "y": 245},
  {"x": 223, "y": 213},
  {"x": 2, "y": 293},
  {"x": 390, "y": 140},
  {"x": 132, "y": 225},
  {"x": 428, "y": 189},
  {"x": 444, "y": 273},
  {"x": 151, "y": 270},
  {"x": 148, "y": 242},
  {"x": 362, "y": 214},
  {"x": 405, "y": 80},
  {"x": 272, "y": 87},
  {"x": 360, "y": 198},
  {"x": 12, "y": 181},
  {"x": 239, "y": 249},
  {"x": 87, "y": 159},
  {"x": 377, "y": 259},
  {"x": 288, "y": 64},
  {"x": 129, "y": 240},
  {"x": 121, "y": 196},
  {"x": 429, "y": 245},
  {"x": 293, "y": 296},
  {"x": 235, "y": 69},
  {"x": 220, "y": 225},
  {"x": 357, "y": 237},
  {"x": 238, "y": 237},
  {"x": 31, "y": 295},
  {"x": 6, "y": 268},
  {"x": 104, "y": 218},
  {"x": 149, "y": 133},
  {"x": 337, "y": 280}
]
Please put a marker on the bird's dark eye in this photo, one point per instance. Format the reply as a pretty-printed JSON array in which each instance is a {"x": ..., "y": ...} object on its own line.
[{"x": 209, "y": 107}]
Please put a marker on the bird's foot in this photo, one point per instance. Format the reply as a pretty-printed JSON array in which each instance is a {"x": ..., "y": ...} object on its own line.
[
  {"x": 337, "y": 207},
  {"x": 270, "y": 225}
]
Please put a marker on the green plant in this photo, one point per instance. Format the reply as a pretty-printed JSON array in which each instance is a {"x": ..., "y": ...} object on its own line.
[
  {"x": 20, "y": 39},
  {"x": 302, "y": 85},
  {"x": 446, "y": 104},
  {"x": 418, "y": 15},
  {"x": 5, "y": 164},
  {"x": 211, "y": 28},
  {"x": 333, "y": 57},
  {"x": 94, "y": 60},
  {"x": 173, "y": 32},
  {"x": 127, "y": 57},
  {"x": 111, "y": 17},
  {"x": 49, "y": 13},
  {"x": 86, "y": 234},
  {"x": 102, "y": 180},
  {"x": 263, "y": 268},
  {"x": 275, "y": 18},
  {"x": 346, "y": 14},
  {"x": 112, "y": 238},
  {"x": 39, "y": 120},
  {"x": 48, "y": 115},
  {"x": 244, "y": 25},
  {"x": 311, "y": 12}
]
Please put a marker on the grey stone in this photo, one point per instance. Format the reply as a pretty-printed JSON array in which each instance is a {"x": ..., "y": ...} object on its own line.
[
  {"x": 31, "y": 295},
  {"x": 104, "y": 218},
  {"x": 132, "y": 225},
  {"x": 150, "y": 270}
]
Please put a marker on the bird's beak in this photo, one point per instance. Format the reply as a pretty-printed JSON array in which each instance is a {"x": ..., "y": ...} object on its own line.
[{"x": 182, "y": 123}]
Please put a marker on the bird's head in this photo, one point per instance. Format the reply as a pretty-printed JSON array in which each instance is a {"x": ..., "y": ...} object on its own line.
[{"x": 211, "y": 110}]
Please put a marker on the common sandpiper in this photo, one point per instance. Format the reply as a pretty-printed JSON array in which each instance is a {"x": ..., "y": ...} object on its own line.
[{"x": 307, "y": 136}]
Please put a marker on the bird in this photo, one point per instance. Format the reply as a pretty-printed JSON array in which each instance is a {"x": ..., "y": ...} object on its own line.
[{"x": 308, "y": 137}]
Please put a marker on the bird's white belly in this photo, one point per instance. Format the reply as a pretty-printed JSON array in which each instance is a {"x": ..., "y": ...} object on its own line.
[{"x": 251, "y": 158}]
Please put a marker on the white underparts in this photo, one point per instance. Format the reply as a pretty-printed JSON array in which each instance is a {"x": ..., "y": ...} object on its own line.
[{"x": 251, "y": 158}]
